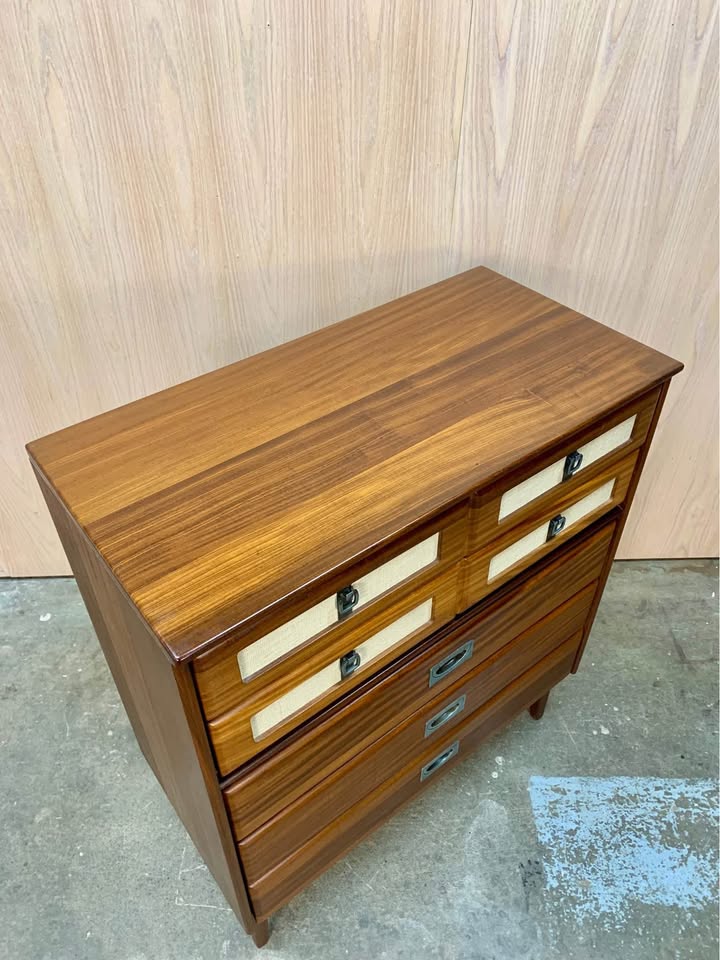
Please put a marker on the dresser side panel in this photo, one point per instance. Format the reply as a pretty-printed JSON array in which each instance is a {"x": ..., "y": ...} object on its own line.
[{"x": 161, "y": 704}]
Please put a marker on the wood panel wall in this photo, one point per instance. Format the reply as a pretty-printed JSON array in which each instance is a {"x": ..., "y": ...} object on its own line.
[{"x": 185, "y": 182}]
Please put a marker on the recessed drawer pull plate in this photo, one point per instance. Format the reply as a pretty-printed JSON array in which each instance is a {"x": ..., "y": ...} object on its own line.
[
  {"x": 450, "y": 663},
  {"x": 445, "y": 715},
  {"x": 440, "y": 760}
]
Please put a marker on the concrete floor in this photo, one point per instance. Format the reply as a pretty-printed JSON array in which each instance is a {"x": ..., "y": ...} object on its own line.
[{"x": 591, "y": 834}]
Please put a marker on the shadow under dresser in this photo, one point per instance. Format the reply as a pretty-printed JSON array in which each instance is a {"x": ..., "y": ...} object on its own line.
[{"x": 322, "y": 574}]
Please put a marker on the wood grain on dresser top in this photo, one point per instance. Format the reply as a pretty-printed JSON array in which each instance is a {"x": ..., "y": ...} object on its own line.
[{"x": 214, "y": 501}]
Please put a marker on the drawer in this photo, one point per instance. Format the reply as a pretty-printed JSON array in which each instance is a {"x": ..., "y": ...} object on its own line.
[
  {"x": 280, "y": 642},
  {"x": 525, "y": 495},
  {"x": 418, "y": 734},
  {"x": 571, "y": 510},
  {"x": 329, "y": 670},
  {"x": 271, "y": 782},
  {"x": 279, "y": 884}
]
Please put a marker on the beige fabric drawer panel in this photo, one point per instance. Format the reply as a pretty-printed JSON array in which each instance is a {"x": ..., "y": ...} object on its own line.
[
  {"x": 288, "y": 636},
  {"x": 324, "y": 680},
  {"x": 567, "y": 469},
  {"x": 552, "y": 476},
  {"x": 534, "y": 540},
  {"x": 318, "y": 679},
  {"x": 283, "y": 640},
  {"x": 526, "y": 543}
]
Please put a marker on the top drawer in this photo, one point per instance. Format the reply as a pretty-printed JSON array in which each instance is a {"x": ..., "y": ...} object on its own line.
[{"x": 528, "y": 491}]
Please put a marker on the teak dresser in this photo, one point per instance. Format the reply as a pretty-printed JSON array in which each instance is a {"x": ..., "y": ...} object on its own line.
[{"x": 322, "y": 575}]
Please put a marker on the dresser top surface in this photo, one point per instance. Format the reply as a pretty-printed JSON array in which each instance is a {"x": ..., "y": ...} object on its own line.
[{"x": 215, "y": 499}]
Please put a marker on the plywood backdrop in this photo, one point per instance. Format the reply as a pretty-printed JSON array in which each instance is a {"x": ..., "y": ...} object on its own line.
[{"x": 183, "y": 183}]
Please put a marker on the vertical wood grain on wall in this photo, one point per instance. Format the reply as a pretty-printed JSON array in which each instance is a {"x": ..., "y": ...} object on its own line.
[
  {"x": 588, "y": 171},
  {"x": 182, "y": 184}
]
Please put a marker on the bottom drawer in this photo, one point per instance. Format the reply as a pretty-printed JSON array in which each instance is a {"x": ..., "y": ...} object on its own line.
[{"x": 291, "y": 874}]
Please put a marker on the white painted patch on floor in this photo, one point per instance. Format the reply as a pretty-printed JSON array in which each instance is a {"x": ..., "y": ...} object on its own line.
[{"x": 613, "y": 843}]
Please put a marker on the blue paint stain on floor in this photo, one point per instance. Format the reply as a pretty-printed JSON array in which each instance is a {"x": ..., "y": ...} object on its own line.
[{"x": 612, "y": 844}]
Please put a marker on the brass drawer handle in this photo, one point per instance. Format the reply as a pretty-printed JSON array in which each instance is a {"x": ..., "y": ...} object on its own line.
[
  {"x": 445, "y": 715},
  {"x": 450, "y": 663},
  {"x": 556, "y": 525},
  {"x": 440, "y": 760},
  {"x": 347, "y": 599}
]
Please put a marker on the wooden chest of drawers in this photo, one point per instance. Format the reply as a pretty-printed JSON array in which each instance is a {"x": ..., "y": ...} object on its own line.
[{"x": 322, "y": 574}]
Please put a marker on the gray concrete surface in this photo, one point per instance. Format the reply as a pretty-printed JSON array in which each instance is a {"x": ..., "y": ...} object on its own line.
[{"x": 96, "y": 865}]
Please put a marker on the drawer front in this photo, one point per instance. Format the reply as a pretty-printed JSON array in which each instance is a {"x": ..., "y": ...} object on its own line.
[
  {"x": 284, "y": 881},
  {"x": 228, "y": 675},
  {"x": 330, "y": 672},
  {"x": 540, "y": 534},
  {"x": 523, "y": 496},
  {"x": 310, "y": 813},
  {"x": 313, "y": 753}
]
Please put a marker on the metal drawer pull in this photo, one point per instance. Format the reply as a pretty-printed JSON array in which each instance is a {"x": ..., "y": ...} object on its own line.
[
  {"x": 447, "y": 665},
  {"x": 440, "y": 760},
  {"x": 573, "y": 462},
  {"x": 349, "y": 663},
  {"x": 445, "y": 715},
  {"x": 556, "y": 525},
  {"x": 347, "y": 599}
]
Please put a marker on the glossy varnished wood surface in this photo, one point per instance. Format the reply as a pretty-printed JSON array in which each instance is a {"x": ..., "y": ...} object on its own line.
[
  {"x": 217, "y": 499},
  {"x": 289, "y": 769}
]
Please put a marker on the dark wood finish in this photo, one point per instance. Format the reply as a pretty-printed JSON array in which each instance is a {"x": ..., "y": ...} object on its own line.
[
  {"x": 288, "y": 770},
  {"x": 476, "y": 583},
  {"x": 200, "y": 519},
  {"x": 267, "y": 477},
  {"x": 313, "y": 811},
  {"x": 160, "y": 701},
  {"x": 537, "y": 709},
  {"x": 231, "y": 734},
  {"x": 300, "y": 868}
]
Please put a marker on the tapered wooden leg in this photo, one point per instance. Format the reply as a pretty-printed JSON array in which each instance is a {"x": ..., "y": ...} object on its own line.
[
  {"x": 262, "y": 933},
  {"x": 537, "y": 709}
]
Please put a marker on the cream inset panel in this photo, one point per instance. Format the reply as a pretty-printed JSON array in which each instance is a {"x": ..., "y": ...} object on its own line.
[
  {"x": 537, "y": 537},
  {"x": 285, "y": 638},
  {"x": 539, "y": 483},
  {"x": 324, "y": 680}
]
